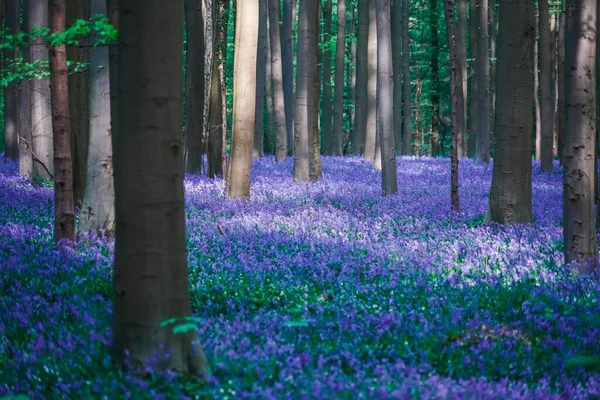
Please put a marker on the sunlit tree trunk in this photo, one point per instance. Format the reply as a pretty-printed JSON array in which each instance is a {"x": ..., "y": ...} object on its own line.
[
  {"x": 287, "y": 57},
  {"x": 150, "y": 273},
  {"x": 278, "y": 124},
  {"x": 371, "y": 124},
  {"x": 24, "y": 121},
  {"x": 362, "y": 66},
  {"x": 545, "y": 77},
  {"x": 510, "y": 196},
  {"x": 406, "y": 101},
  {"x": 435, "y": 79},
  {"x": 98, "y": 211},
  {"x": 327, "y": 117},
  {"x": 11, "y": 114},
  {"x": 261, "y": 74},
  {"x": 483, "y": 83},
  {"x": 338, "y": 105},
  {"x": 385, "y": 99},
  {"x": 579, "y": 157}
]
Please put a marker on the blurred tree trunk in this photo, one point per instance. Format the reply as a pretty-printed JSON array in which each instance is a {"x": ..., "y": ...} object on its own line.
[
  {"x": 407, "y": 147},
  {"x": 492, "y": 35},
  {"x": 24, "y": 121},
  {"x": 536, "y": 92},
  {"x": 278, "y": 124},
  {"x": 371, "y": 124},
  {"x": 11, "y": 113},
  {"x": 287, "y": 58},
  {"x": 327, "y": 117},
  {"x": 338, "y": 105},
  {"x": 461, "y": 37},
  {"x": 474, "y": 36},
  {"x": 360, "y": 103},
  {"x": 261, "y": 73},
  {"x": 315, "y": 94},
  {"x": 510, "y": 196},
  {"x": 560, "y": 66},
  {"x": 397, "y": 30},
  {"x": 579, "y": 228},
  {"x": 435, "y": 80},
  {"x": 483, "y": 84},
  {"x": 545, "y": 77},
  {"x": 351, "y": 77}
]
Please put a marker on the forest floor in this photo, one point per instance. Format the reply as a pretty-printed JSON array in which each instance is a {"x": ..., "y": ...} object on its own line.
[{"x": 325, "y": 290}]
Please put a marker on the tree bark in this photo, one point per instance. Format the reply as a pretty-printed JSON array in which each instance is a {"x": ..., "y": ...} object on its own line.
[
  {"x": 24, "y": 121},
  {"x": 371, "y": 124},
  {"x": 492, "y": 34},
  {"x": 406, "y": 102},
  {"x": 261, "y": 74},
  {"x": 547, "y": 115},
  {"x": 474, "y": 36},
  {"x": 385, "y": 99},
  {"x": 315, "y": 93},
  {"x": 64, "y": 209},
  {"x": 338, "y": 106},
  {"x": 11, "y": 113},
  {"x": 561, "y": 106},
  {"x": 244, "y": 99},
  {"x": 287, "y": 56},
  {"x": 435, "y": 79},
  {"x": 362, "y": 53},
  {"x": 278, "y": 124},
  {"x": 327, "y": 117},
  {"x": 397, "y": 30},
  {"x": 579, "y": 157},
  {"x": 483, "y": 84},
  {"x": 98, "y": 210},
  {"x": 150, "y": 272},
  {"x": 456, "y": 94},
  {"x": 352, "y": 81},
  {"x": 536, "y": 93},
  {"x": 194, "y": 86},
  {"x": 510, "y": 196},
  {"x": 461, "y": 37}
]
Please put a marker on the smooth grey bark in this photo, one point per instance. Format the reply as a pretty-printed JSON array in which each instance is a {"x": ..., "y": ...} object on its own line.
[
  {"x": 278, "y": 125},
  {"x": 24, "y": 121},
  {"x": 269, "y": 140},
  {"x": 351, "y": 79},
  {"x": 510, "y": 196},
  {"x": 545, "y": 79},
  {"x": 492, "y": 44},
  {"x": 287, "y": 56},
  {"x": 11, "y": 113},
  {"x": 244, "y": 98},
  {"x": 397, "y": 30},
  {"x": 371, "y": 117},
  {"x": 560, "y": 67},
  {"x": 314, "y": 93},
  {"x": 406, "y": 101},
  {"x": 362, "y": 66},
  {"x": 474, "y": 36},
  {"x": 98, "y": 210},
  {"x": 327, "y": 116},
  {"x": 579, "y": 153},
  {"x": 536, "y": 92},
  {"x": 150, "y": 262},
  {"x": 338, "y": 104},
  {"x": 483, "y": 84},
  {"x": 194, "y": 86},
  {"x": 261, "y": 74},
  {"x": 435, "y": 79},
  {"x": 41, "y": 113},
  {"x": 461, "y": 37},
  {"x": 385, "y": 98}
]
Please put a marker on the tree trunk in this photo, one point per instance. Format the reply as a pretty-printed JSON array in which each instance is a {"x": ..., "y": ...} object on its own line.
[
  {"x": 326, "y": 122},
  {"x": 287, "y": 56},
  {"x": 64, "y": 209},
  {"x": 561, "y": 106},
  {"x": 194, "y": 86},
  {"x": 269, "y": 139},
  {"x": 456, "y": 94},
  {"x": 98, "y": 210},
  {"x": 278, "y": 124},
  {"x": 385, "y": 99},
  {"x": 492, "y": 34},
  {"x": 41, "y": 113},
  {"x": 554, "y": 79},
  {"x": 406, "y": 102},
  {"x": 474, "y": 36},
  {"x": 483, "y": 84},
  {"x": 244, "y": 98},
  {"x": 150, "y": 273},
  {"x": 24, "y": 121},
  {"x": 338, "y": 106},
  {"x": 510, "y": 197},
  {"x": 261, "y": 73},
  {"x": 11, "y": 113},
  {"x": 362, "y": 68},
  {"x": 579, "y": 228},
  {"x": 536, "y": 93},
  {"x": 397, "y": 30},
  {"x": 79, "y": 95},
  {"x": 435, "y": 79},
  {"x": 371, "y": 130},
  {"x": 314, "y": 94},
  {"x": 352, "y": 80},
  {"x": 547, "y": 115},
  {"x": 461, "y": 37}
]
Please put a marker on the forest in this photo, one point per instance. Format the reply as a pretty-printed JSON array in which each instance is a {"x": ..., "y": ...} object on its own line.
[{"x": 313, "y": 199}]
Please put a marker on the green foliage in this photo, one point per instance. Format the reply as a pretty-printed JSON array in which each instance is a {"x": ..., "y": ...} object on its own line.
[{"x": 183, "y": 325}]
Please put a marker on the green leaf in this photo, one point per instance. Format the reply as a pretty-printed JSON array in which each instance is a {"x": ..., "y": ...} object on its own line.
[
  {"x": 296, "y": 323},
  {"x": 169, "y": 321},
  {"x": 184, "y": 328}
]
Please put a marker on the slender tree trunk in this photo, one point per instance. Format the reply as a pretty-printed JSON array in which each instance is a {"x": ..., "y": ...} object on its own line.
[
  {"x": 150, "y": 273},
  {"x": 406, "y": 102},
  {"x": 24, "y": 122},
  {"x": 224, "y": 10},
  {"x": 536, "y": 93},
  {"x": 554, "y": 79},
  {"x": 261, "y": 73},
  {"x": 41, "y": 112},
  {"x": 510, "y": 197},
  {"x": 11, "y": 113},
  {"x": 287, "y": 56},
  {"x": 456, "y": 94},
  {"x": 362, "y": 68},
  {"x": 483, "y": 84},
  {"x": 371, "y": 129},
  {"x": 314, "y": 94},
  {"x": 338, "y": 106},
  {"x": 352, "y": 77},
  {"x": 492, "y": 34},
  {"x": 474, "y": 36},
  {"x": 435, "y": 79},
  {"x": 98, "y": 211},
  {"x": 579, "y": 158},
  {"x": 278, "y": 124},
  {"x": 397, "y": 30},
  {"x": 79, "y": 95},
  {"x": 327, "y": 118},
  {"x": 244, "y": 98},
  {"x": 64, "y": 209},
  {"x": 385, "y": 99},
  {"x": 561, "y": 106},
  {"x": 547, "y": 115},
  {"x": 461, "y": 37}
]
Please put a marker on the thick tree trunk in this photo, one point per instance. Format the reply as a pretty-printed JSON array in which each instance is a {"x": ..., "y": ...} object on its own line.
[
  {"x": 461, "y": 37},
  {"x": 483, "y": 84},
  {"x": 150, "y": 272},
  {"x": 492, "y": 34},
  {"x": 397, "y": 30},
  {"x": 314, "y": 95},
  {"x": 371, "y": 129},
  {"x": 456, "y": 95},
  {"x": 362, "y": 66},
  {"x": 11, "y": 113},
  {"x": 327, "y": 117},
  {"x": 194, "y": 86},
  {"x": 406, "y": 102},
  {"x": 41, "y": 112},
  {"x": 510, "y": 197},
  {"x": 79, "y": 95},
  {"x": 261, "y": 74},
  {"x": 64, "y": 209},
  {"x": 98, "y": 210},
  {"x": 338, "y": 105},
  {"x": 278, "y": 124},
  {"x": 244, "y": 98},
  {"x": 547, "y": 115},
  {"x": 385, "y": 99},
  {"x": 435, "y": 79},
  {"x": 474, "y": 36},
  {"x": 287, "y": 57},
  {"x": 536, "y": 93},
  {"x": 24, "y": 127},
  {"x": 269, "y": 139},
  {"x": 579, "y": 157},
  {"x": 560, "y": 64}
]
